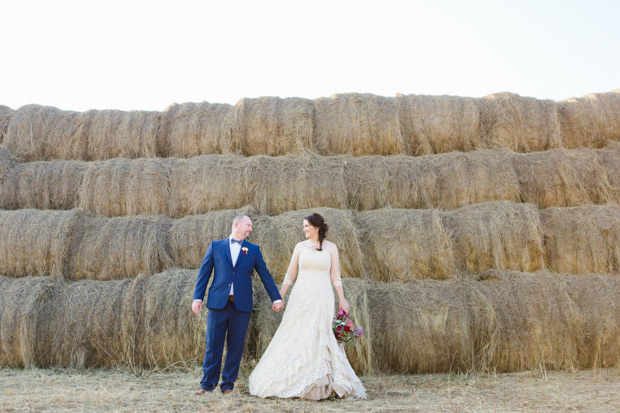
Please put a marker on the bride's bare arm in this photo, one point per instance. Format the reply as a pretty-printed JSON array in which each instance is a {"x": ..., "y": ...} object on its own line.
[
  {"x": 291, "y": 272},
  {"x": 336, "y": 280}
]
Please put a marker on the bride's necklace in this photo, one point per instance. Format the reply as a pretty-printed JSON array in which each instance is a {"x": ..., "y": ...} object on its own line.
[{"x": 313, "y": 245}]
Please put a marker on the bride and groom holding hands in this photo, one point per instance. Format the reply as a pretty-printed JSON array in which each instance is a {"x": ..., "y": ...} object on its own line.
[{"x": 303, "y": 359}]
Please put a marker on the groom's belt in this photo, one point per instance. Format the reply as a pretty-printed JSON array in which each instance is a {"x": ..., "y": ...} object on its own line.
[{"x": 231, "y": 298}]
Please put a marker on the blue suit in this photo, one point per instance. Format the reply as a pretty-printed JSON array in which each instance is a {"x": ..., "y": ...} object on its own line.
[{"x": 229, "y": 319}]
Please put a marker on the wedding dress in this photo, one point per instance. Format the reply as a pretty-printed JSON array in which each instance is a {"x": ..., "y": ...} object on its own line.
[{"x": 303, "y": 358}]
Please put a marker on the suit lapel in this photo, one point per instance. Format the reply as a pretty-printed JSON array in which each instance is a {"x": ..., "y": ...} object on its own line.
[{"x": 227, "y": 249}]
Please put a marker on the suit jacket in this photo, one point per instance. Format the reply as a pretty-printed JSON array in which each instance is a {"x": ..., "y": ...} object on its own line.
[{"x": 217, "y": 260}]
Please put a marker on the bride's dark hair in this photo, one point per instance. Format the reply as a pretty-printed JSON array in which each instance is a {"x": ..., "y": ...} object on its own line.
[{"x": 317, "y": 221}]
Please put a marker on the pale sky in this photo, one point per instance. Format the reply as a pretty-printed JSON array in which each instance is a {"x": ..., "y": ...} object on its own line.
[{"x": 135, "y": 54}]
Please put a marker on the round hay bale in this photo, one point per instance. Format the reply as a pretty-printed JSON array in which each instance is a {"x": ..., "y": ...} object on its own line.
[
  {"x": 472, "y": 178},
  {"x": 121, "y": 187},
  {"x": 522, "y": 322},
  {"x": 402, "y": 245},
  {"x": 192, "y": 129},
  {"x": 275, "y": 126},
  {"x": 590, "y": 121},
  {"x": 6, "y": 113},
  {"x": 597, "y": 336},
  {"x": 609, "y": 159},
  {"x": 36, "y": 242},
  {"x": 563, "y": 178},
  {"x": 169, "y": 333},
  {"x": 117, "y": 248},
  {"x": 24, "y": 320},
  {"x": 43, "y": 185},
  {"x": 435, "y": 124},
  {"x": 107, "y": 134},
  {"x": 499, "y": 235},
  {"x": 84, "y": 325},
  {"x": 207, "y": 183},
  {"x": 521, "y": 124},
  {"x": 357, "y": 124},
  {"x": 583, "y": 239},
  {"x": 7, "y": 163},
  {"x": 43, "y": 133}
]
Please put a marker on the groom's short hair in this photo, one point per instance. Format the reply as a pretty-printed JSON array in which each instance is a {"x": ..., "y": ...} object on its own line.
[{"x": 238, "y": 218}]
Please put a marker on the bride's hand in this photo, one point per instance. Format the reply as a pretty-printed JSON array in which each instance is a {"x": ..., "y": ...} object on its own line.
[{"x": 344, "y": 306}]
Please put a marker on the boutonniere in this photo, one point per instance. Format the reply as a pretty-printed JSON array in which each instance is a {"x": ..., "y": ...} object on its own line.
[{"x": 245, "y": 250}]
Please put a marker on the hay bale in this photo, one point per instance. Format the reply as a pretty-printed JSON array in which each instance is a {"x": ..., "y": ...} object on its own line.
[
  {"x": 107, "y": 134},
  {"x": 403, "y": 245},
  {"x": 7, "y": 163},
  {"x": 524, "y": 321},
  {"x": 521, "y": 124},
  {"x": 126, "y": 187},
  {"x": 84, "y": 324},
  {"x": 146, "y": 322},
  {"x": 583, "y": 239},
  {"x": 597, "y": 334},
  {"x": 35, "y": 242},
  {"x": 117, "y": 248},
  {"x": 563, "y": 178},
  {"x": 357, "y": 124},
  {"x": 435, "y": 124},
  {"x": 499, "y": 235},
  {"x": 192, "y": 129},
  {"x": 25, "y": 313},
  {"x": 590, "y": 121},
  {"x": 472, "y": 178},
  {"x": 43, "y": 132},
  {"x": 6, "y": 113},
  {"x": 609, "y": 159},
  {"x": 43, "y": 185},
  {"x": 275, "y": 126},
  {"x": 158, "y": 327}
]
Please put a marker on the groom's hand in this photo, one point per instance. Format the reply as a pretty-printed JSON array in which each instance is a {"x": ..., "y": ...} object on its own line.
[
  {"x": 277, "y": 306},
  {"x": 197, "y": 307}
]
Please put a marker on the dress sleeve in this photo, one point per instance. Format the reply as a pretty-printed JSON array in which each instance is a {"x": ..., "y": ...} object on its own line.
[
  {"x": 335, "y": 268},
  {"x": 291, "y": 272}
]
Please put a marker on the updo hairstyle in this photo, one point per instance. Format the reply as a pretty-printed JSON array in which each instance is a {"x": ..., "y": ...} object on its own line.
[{"x": 317, "y": 221}]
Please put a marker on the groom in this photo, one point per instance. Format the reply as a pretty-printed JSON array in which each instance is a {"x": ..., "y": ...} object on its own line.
[{"x": 229, "y": 301}]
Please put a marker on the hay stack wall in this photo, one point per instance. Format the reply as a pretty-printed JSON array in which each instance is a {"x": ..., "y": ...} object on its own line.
[
  {"x": 475, "y": 234},
  {"x": 343, "y": 124}
]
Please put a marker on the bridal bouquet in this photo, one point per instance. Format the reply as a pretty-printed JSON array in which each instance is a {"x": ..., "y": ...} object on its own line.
[{"x": 344, "y": 330}]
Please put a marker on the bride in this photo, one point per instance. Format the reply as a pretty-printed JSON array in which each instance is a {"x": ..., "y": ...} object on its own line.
[{"x": 304, "y": 359}]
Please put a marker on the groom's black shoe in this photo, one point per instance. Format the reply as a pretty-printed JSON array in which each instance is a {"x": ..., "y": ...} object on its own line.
[{"x": 202, "y": 391}]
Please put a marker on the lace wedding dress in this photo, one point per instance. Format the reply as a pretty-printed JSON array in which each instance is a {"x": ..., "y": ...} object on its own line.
[{"x": 303, "y": 358}]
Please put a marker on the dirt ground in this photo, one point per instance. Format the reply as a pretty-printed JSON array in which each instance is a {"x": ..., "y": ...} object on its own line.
[{"x": 148, "y": 391}]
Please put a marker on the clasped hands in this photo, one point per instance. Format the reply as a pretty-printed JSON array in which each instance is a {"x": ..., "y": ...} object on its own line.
[{"x": 277, "y": 306}]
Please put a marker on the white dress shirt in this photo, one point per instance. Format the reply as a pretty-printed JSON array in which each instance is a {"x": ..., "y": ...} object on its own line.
[{"x": 235, "y": 249}]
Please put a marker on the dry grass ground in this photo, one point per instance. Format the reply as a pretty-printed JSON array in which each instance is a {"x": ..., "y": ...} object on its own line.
[{"x": 114, "y": 390}]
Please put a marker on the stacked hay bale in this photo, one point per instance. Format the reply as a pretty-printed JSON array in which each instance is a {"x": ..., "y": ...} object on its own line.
[{"x": 475, "y": 234}]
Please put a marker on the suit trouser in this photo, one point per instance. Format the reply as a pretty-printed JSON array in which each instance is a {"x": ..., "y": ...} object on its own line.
[{"x": 232, "y": 325}]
